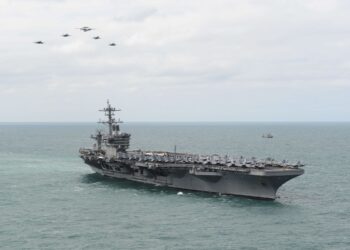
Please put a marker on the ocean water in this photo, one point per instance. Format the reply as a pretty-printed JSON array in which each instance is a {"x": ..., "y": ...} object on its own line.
[{"x": 50, "y": 200}]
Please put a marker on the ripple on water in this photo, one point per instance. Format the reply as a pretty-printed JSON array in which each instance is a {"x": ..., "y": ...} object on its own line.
[{"x": 52, "y": 201}]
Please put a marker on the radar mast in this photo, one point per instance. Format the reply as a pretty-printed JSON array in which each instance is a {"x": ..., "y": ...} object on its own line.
[
  {"x": 109, "y": 112},
  {"x": 114, "y": 138}
]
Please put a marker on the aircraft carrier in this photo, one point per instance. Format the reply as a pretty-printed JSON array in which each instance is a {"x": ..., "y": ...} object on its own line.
[{"x": 208, "y": 173}]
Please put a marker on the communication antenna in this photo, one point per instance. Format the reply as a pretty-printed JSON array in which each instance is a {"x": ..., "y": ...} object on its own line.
[{"x": 109, "y": 112}]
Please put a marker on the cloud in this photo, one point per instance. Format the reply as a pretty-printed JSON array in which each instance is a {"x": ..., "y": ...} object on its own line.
[
  {"x": 136, "y": 15},
  {"x": 74, "y": 47},
  {"x": 176, "y": 53}
]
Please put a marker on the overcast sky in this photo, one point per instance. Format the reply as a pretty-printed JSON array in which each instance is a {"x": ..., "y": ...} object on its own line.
[{"x": 181, "y": 60}]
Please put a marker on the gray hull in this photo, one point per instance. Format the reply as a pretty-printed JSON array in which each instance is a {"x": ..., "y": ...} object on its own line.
[{"x": 254, "y": 184}]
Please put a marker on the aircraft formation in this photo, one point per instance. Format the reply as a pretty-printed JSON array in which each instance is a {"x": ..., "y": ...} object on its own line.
[{"x": 84, "y": 29}]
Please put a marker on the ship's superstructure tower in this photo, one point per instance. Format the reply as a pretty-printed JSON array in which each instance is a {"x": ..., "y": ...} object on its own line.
[{"x": 120, "y": 141}]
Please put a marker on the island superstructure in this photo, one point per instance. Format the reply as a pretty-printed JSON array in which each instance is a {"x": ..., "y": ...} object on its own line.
[{"x": 209, "y": 173}]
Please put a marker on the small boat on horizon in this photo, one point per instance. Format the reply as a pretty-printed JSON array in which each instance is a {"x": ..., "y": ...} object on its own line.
[{"x": 269, "y": 136}]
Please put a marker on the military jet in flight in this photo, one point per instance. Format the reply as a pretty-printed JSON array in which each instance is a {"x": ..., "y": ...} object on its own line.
[
  {"x": 112, "y": 44},
  {"x": 96, "y": 37},
  {"x": 85, "y": 28},
  {"x": 39, "y": 42},
  {"x": 65, "y": 35}
]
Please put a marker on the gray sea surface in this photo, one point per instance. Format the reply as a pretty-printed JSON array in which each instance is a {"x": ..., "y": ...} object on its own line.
[{"x": 50, "y": 200}]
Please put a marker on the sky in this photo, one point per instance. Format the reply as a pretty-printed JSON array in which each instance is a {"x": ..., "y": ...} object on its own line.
[{"x": 175, "y": 60}]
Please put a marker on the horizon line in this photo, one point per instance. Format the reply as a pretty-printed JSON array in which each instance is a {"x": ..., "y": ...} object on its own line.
[{"x": 57, "y": 122}]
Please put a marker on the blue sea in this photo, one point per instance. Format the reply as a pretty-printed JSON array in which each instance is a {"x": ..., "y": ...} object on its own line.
[{"x": 50, "y": 200}]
